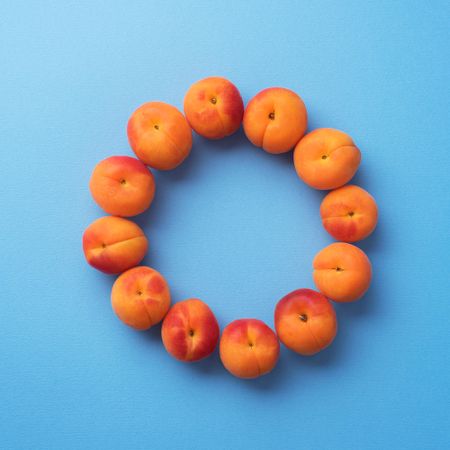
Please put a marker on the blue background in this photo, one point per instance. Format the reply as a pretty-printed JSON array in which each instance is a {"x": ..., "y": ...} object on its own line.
[{"x": 233, "y": 225}]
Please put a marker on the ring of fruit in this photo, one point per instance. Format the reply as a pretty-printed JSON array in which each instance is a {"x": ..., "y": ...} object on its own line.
[{"x": 161, "y": 138}]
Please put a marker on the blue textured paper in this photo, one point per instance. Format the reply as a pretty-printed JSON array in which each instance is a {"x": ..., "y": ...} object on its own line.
[{"x": 233, "y": 225}]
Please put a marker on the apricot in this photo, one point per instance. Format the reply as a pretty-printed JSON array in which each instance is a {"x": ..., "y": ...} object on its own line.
[
  {"x": 159, "y": 135},
  {"x": 190, "y": 330},
  {"x": 214, "y": 107},
  {"x": 140, "y": 297},
  {"x": 349, "y": 213},
  {"x": 122, "y": 186},
  {"x": 275, "y": 119},
  {"x": 326, "y": 158},
  {"x": 342, "y": 272},
  {"x": 305, "y": 321},
  {"x": 112, "y": 244},
  {"x": 249, "y": 348}
]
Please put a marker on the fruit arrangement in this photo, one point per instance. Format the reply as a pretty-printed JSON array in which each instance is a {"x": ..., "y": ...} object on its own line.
[{"x": 161, "y": 138}]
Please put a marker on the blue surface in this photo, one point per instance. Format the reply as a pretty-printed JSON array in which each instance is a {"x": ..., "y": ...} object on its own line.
[{"x": 233, "y": 225}]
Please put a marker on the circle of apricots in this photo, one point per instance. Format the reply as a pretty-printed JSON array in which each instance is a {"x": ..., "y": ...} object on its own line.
[{"x": 161, "y": 137}]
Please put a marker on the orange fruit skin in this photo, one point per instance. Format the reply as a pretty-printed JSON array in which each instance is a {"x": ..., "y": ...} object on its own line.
[
  {"x": 190, "y": 331},
  {"x": 249, "y": 348},
  {"x": 122, "y": 186},
  {"x": 140, "y": 297},
  {"x": 159, "y": 135},
  {"x": 113, "y": 244},
  {"x": 275, "y": 119},
  {"x": 342, "y": 272},
  {"x": 305, "y": 321},
  {"x": 349, "y": 213},
  {"x": 326, "y": 158},
  {"x": 214, "y": 107}
]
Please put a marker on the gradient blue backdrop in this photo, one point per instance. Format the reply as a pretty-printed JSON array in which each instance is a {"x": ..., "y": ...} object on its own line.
[{"x": 233, "y": 225}]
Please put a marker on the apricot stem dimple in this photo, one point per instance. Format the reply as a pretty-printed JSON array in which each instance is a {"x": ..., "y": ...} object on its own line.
[
  {"x": 123, "y": 181},
  {"x": 103, "y": 245},
  {"x": 139, "y": 292},
  {"x": 351, "y": 213},
  {"x": 156, "y": 127},
  {"x": 191, "y": 333},
  {"x": 250, "y": 344},
  {"x": 272, "y": 116},
  {"x": 324, "y": 156},
  {"x": 303, "y": 317},
  {"x": 214, "y": 100},
  {"x": 339, "y": 269}
]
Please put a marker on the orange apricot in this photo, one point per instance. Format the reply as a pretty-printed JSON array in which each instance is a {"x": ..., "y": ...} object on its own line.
[
  {"x": 214, "y": 107},
  {"x": 140, "y": 297},
  {"x": 305, "y": 321},
  {"x": 190, "y": 330},
  {"x": 275, "y": 119},
  {"x": 112, "y": 244},
  {"x": 326, "y": 158},
  {"x": 249, "y": 348},
  {"x": 122, "y": 186},
  {"x": 349, "y": 213},
  {"x": 342, "y": 272},
  {"x": 159, "y": 135}
]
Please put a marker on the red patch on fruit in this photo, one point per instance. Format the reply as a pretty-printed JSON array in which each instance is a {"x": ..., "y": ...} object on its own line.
[
  {"x": 156, "y": 284},
  {"x": 233, "y": 104}
]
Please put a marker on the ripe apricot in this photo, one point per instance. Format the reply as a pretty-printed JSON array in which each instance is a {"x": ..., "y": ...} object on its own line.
[
  {"x": 122, "y": 186},
  {"x": 342, "y": 272},
  {"x": 159, "y": 135},
  {"x": 275, "y": 119},
  {"x": 112, "y": 244},
  {"x": 249, "y": 348},
  {"x": 326, "y": 158},
  {"x": 305, "y": 321},
  {"x": 140, "y": 297},
  {"x": 190, "y": 330},
  {"x": 214, "y": 107},
  {"x": 349, "y": 213}
]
